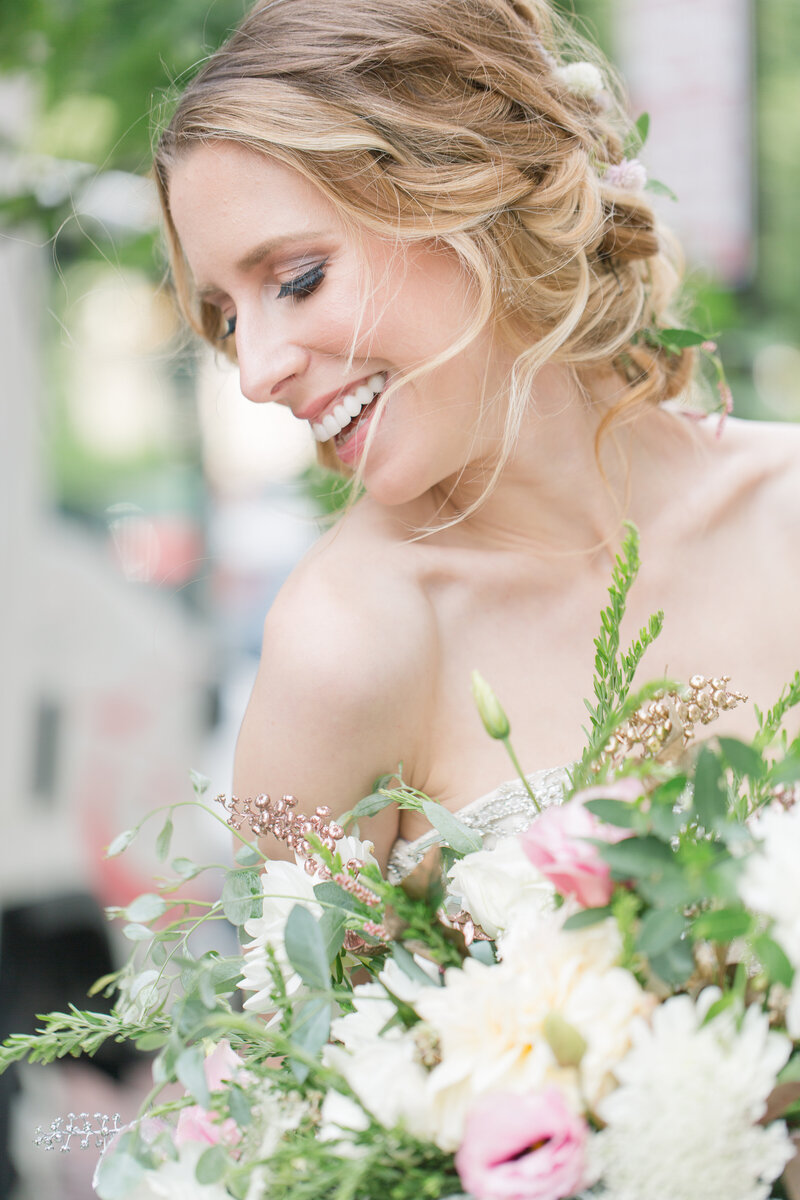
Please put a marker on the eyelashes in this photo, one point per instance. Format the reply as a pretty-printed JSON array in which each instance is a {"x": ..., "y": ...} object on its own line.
[{"x": 298, "y": 289}]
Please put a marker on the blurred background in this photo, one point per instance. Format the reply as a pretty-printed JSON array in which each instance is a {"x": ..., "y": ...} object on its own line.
[{"x": 149, "y": 513}]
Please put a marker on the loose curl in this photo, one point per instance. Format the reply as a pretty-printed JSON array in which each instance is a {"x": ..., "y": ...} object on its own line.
[{"x": 446, "y": 120}]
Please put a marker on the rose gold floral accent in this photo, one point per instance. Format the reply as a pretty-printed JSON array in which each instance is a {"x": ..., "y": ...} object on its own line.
[{"x": 276, "y": 818}]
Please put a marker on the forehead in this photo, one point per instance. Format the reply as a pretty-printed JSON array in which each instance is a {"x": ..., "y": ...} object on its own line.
[{"x": 226, "y": 200}]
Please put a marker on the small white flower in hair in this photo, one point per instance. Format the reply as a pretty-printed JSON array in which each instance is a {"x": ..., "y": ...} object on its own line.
[
  {"x": 630, "y": 175},
  {"x": 582, "y": 79}
]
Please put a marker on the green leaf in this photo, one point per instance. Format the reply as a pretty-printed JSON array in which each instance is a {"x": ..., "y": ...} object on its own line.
[
  {"x": 200, "y": 783},
  {"x": 248, "y": 856},
  {"x": 709, "y": 798},
  {"x": 588, "y": 916},
  {"x": 164, "y": 838},
  {"x": 310, "y": 1031},
  {"x": 242, "y": 898},
  {"x": 635, "y": 857},
  {"x": 147, "y": 907},
  {"x": 332, "y": 923},
  {"x": 722, "y": 924},
  {"x": 637, "y": 136},
  {"x": 212, "y": 1164},
  {"x": 330, "y": 893},
  {"x": 773, "y": 960},
  {"x": 452, "y": 829},
  {"x": 185, "y": 868},
  {"x": 150, "y": 1041},
  {"x": 189, "y": 1069},
  {"x": 621, "y": 813},
  {"x": 118, "y": 1173},
  {"x": 659, "y": 930},
  {"x": 787, "y": 771},
  {"x": 371, "y": 805},
  {"x": 675, "y": 964},
  {"x": 483, "y": 951},
  {"x": 121, "y": 842},
  {"x": 239, "y": 1106},
  {"x": 406, "y": 962},
  {"x": 660, "y": 189},
  {"x": 136, "y": 933},
  {"x": 306, "y": 949},
  {"x": 742, "y": 757}
]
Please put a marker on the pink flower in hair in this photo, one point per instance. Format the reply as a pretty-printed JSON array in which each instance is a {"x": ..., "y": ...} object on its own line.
[
  {"x": 629, "y": 175},
  {"x": 528, "y": 1147},
  {"x": 556, "y": 842}
]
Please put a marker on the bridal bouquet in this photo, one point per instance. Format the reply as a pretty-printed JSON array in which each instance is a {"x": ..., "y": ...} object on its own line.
[{"x": 606, "y": 1005}]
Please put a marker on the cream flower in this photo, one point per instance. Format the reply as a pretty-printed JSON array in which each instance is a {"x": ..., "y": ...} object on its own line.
[
  {"x": 176, "y": 1180},
  {"x": 491, "y": 1021},
  {"x": 492, "y": 884},
  {"x": 285, "y": 884},
  {"x": 770, "y": 882},
  {"x": 582, "y": 79},
  {"x": 683, "y": 1120}
]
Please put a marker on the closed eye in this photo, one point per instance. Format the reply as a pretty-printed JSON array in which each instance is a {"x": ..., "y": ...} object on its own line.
[{"x": 303, "y": 285}]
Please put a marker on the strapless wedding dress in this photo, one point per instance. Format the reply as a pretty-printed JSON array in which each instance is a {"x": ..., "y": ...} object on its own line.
[{"x": 505, "y": 811}]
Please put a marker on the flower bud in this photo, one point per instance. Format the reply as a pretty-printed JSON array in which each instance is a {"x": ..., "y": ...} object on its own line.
[
  {"x": 564, "y": 1040},
  {"x": 494, "y": 719}
]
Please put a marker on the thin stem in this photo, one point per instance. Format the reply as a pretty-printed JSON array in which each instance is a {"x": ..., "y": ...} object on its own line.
[{"x": 518, "y": 769}]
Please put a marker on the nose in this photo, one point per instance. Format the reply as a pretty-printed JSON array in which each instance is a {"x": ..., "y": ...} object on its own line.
[{"x": 268, "y": 361}]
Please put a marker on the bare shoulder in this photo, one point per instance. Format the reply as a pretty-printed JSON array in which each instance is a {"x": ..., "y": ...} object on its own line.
[
  {"x": 767, "y": 454},
  {"x": 342, "y": 691}
]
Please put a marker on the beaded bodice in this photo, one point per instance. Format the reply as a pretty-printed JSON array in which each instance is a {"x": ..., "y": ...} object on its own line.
[{"x": 507, "y": 810}]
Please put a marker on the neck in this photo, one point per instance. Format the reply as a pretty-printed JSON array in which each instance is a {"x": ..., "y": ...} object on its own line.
[{"x": 555, "y": 497}]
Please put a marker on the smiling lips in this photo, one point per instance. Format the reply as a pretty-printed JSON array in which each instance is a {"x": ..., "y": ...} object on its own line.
[{"x": 348, "y": 408}]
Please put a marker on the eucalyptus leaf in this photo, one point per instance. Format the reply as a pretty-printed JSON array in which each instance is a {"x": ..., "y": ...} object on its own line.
[
  {"x": 659, "y": 930},
  {"x": 408, "y": 964},
  {"x": 621, "y": 813},
  {"x": 185, "y": 868},
  {"x": 248, "y": 856},
  {"x": 121, "y": 842},
  {"x": 200, "y": 783},
  {"x": 242, "y": 898},
  {"x": 452, "y": 829},
  {"x": 330, "y": 893},
  {"x": 212, "y": 1164},
  {"x": 676, "y": 964},
  {"x": 332, "y": 923},
  {"x": 587, "y": 917},
  {"x": 635, "y": 857},
  {"x": 709, "y": 798},
  {"x": 150, "y": 1041},
  {"x": 310, "y": 1031},
  {"x": 722, "y": 924},
  {"x": 189, "y": 1069},
  {"x": 118, "y": 1173},
  {"x": 483, "y": 951},
  {"x": 164, "y": 839},
  {"x": 239, "y": 1106},
  {"x": 787, "y": 771},
  {"x": 136, "y": 933},
  {"x": 306, "y": 948},
  {"x": 370, "y": 805},
  {"x": 147, "y": 907}
]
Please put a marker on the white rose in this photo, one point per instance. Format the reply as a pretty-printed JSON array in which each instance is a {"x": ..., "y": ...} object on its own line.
[{"x": 493, "y": 884}]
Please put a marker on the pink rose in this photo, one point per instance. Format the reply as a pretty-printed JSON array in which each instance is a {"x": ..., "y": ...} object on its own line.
[
  {"x": 556, "y": 843},
  {"x": 197, "y": 1124},
  {"x": 522, "y": 1147}
]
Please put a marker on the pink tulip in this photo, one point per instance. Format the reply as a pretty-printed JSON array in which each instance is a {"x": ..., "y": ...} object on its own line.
[
  {"x": 556, "y": 843},
  {"x": 526, "y": 1147},
  {"x": 198, "y": 1124}
]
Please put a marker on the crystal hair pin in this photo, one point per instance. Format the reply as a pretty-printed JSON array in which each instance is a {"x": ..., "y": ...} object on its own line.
[{"x": 59, "y": 1135}]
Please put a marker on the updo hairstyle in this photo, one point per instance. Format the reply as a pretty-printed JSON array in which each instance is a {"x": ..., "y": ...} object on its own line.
[{"x": 450, "y": 120}]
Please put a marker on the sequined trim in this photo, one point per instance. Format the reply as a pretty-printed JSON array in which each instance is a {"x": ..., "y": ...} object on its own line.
[{"x": 507, "y": 810}]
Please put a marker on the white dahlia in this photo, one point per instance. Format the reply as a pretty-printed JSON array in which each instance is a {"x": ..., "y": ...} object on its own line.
[
  {"x": 683, "y": 1122},
  {"x": 495, "y": 1023},
  {"x": 493, "y": 885},
  {"x": 770, "y": 883}
]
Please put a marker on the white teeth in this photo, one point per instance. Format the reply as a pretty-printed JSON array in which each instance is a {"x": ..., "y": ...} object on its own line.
[{"x": 348, "y": 408}]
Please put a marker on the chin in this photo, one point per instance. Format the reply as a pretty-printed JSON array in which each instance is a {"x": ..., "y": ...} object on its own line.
[{"x": 393, "y": 486}]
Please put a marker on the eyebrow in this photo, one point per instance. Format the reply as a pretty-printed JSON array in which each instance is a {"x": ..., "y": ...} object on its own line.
[{"x": 256, "y": 256}]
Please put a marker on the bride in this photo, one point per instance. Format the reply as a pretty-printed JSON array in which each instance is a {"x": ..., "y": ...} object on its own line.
[{"x": 412, "y": 224}]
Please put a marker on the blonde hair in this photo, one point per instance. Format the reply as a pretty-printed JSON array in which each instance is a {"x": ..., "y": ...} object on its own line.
[{"x": 448, "y": 120}]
